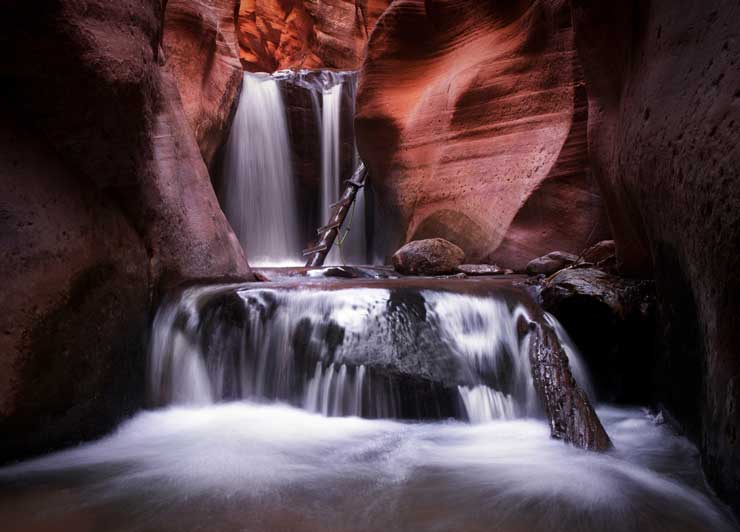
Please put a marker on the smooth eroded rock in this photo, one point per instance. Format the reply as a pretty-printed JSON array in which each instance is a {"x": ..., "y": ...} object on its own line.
[
  {"x": 434, "y": 256},
  {"x": 202, "y": 53},
  {"x": 106, "y": 201},
  {"x": 471, "y": 118}
]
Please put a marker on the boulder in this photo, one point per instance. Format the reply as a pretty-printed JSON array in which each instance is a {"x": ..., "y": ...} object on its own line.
[
  {"x": 471, "y": 118},
  {"x": 551, "y": 263},
  {"x": 664, "y": 119},
  {"x": 434, "y": 256}
]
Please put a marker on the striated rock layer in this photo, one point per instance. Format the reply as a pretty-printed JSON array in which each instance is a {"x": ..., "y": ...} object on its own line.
[
  {"x": 202, "y": 52},
  {"x": 664, "y": 106},
  {"x": 104, "y": 201},
  {"x": 280, "y": 34},
  {"x": 471, "y": 116}
]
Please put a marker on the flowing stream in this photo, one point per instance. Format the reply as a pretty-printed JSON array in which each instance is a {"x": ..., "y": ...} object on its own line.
[{"x": 357, "y": 406}]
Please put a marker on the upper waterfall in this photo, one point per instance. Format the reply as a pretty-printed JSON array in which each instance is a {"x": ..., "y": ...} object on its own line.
[
  {"x": 258, "y": 182},
  {"x": 290, "y": 148}
]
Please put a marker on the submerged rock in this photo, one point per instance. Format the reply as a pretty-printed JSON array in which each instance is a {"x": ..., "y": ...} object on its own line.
[
  {"x": 474, "y": 270},
  {"x": 433, "y": 256},
  {"x": 551, "y": 263}
]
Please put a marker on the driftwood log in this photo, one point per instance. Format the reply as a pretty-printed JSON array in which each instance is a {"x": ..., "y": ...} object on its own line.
[
  {"x": 568, "y": 409},
  {"x": 327, "y": 234}
]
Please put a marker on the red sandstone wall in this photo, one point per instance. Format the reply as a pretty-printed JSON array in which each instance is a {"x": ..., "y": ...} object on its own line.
[
  {"x": 663, "y": 82},
  {"x": 105, "y": 201},
  {"x": 472, "y": 119},
  {"x": 202, "y": 52}
]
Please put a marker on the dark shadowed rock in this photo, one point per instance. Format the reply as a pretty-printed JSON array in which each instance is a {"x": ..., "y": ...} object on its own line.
[
  {"x": 104, "y": 201},
  {"x": 663, "y": 86},
  {"x": 611, "y": 320},
  {"x": 434, "y": 256},
  {"x": 551, "y": 263}
]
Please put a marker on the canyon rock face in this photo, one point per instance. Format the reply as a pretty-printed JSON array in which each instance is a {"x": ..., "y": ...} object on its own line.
[
  {"x": 280, "y": 34},
  {"x": 471, "y": 117},
  {"x": 664, "y": 118},
  {"x": 202, "y": 52},
  {"x": 106, "y": 201}
]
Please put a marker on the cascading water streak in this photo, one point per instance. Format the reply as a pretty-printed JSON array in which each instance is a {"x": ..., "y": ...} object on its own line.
[
  {"x": 330, "y": 147},
  {"x": 258, "y": 192},
  {"x": 370, "y": 352}
]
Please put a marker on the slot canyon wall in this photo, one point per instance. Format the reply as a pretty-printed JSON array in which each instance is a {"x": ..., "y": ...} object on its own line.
[
  {"x": 105, "y": 200},
  {"x": 471, "y": 117},
  {"x": 202, "y": 52},
  {"x": 485, "y": 123},
  {"x": 663, "y": 80},
  {"x": 279, "y": 34}
]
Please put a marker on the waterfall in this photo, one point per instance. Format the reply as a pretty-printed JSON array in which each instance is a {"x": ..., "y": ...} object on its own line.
[
  {"x": 380, "y": 352},
  {"x": 330, "y": 148},
  {"x": 332, "y": 99},
  {"x": 484, "y": 404},
  {"x": 258, "y": 195}
]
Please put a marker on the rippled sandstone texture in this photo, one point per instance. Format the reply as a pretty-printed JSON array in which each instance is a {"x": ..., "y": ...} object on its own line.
[
  {"x": 664, "y": 120},
  {"x": 279, "y": 34},
  {"x": 472, "y": 121},
  {"x": 104, "y": 201},
  {"x": 202, "y": 52}
]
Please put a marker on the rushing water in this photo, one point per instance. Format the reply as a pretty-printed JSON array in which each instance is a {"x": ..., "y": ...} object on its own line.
[
  {"x": 372, "y": 351},
  {"x": 258, "y": 194},
  {"x": 264, "y": 386},
  {"x": 259, "y": 468}
]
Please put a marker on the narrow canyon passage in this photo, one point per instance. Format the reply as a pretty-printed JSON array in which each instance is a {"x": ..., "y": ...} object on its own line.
[{"x": 370, "y": 265}]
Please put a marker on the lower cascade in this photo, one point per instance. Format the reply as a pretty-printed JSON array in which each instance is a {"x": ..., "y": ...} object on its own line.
[
  {"x": 362, "y": 406},
  {"x": 370, "y": 352}
]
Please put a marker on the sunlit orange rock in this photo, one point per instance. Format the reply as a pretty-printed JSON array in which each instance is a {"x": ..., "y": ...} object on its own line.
[
  {"x": 471, "y": 117},
  {"x": 279, "y": 34}
]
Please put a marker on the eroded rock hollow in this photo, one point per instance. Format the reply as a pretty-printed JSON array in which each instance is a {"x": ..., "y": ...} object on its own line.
[{"x": 471, "y": 117}]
